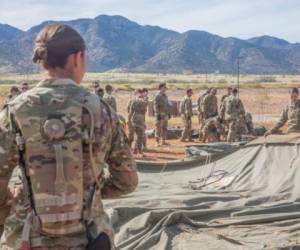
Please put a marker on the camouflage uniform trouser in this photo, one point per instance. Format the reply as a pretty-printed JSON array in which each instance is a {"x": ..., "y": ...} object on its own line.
[
  {"x": 161, "y": 127},
  {"x": 144, "y": 138},
  {"x": 139, "y": 131},
  {"x": 233, "y": 130},
  {"x": 186, "y": 133},
  {"x": 201, "y": 125},
  {"x": 130, "y": 132},
  {"x": 210, "y": 130}
]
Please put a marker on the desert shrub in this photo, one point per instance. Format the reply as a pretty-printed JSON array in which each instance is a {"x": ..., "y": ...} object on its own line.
[
  {"x": 266, "y": 79},
  {"x": 222, "y": 81}
]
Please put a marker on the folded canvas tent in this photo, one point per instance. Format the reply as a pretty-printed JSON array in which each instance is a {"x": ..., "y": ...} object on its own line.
[{"x": 246, "y": 200}]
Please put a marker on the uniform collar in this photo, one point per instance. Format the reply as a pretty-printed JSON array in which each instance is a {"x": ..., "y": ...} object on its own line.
[{"x": 56, "y": 82}]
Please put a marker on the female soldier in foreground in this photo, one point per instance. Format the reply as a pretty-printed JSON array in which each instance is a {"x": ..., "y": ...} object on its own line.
[{"x": 61, "y": 136}]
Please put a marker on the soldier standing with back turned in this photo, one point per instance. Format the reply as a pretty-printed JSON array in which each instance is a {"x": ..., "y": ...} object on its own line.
[
  {"x": 210, "y": 105},
  {"x": 234, "y": 112},
  {"x": 62, "y": 137},
  {"x": 223, "y": 100},
  {"x": 200, "y": 111}
]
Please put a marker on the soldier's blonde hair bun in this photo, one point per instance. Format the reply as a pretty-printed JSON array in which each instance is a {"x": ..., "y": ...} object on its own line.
[
  {"x": 55, "y": 43},
  {"x": 40, "y": 53}
]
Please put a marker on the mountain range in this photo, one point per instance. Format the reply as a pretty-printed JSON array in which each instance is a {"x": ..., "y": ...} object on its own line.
[{"x": 117, "y": 44}]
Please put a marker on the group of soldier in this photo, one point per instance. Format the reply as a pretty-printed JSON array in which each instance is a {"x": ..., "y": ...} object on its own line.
[
  {"x": 14, "y": 91},
  {"x": 107, "y": 96},
  {"x": 136, "y": 108},
  {"x": 229, "y": 121},
  {"x": 212, "y": 123},
  {"x": 232, "y": 121}
]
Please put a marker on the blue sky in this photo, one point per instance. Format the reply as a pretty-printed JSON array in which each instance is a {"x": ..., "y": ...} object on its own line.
[{"x": 238, "y": 18}]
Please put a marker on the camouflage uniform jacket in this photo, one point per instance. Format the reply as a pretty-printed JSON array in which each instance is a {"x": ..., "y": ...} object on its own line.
[
  {"x": 129, "y": 106},
  {"x": 200, "y": 102},
  {"x": 110, "y": 148},
  {"x": 291, "y": 116},
  {"x": 210, "y": 106},
  {"x": 186, "y": 107},
  {"x": 234, "y": 108},
  {"x": 137, "y": 112},
  {"x": 161, "y": 105},
  {"x": 10, "y": 98},
  {"x": 111, "y": 101},
  {"x": 146, "y": 99},
  {"x": 223, "y": 98},
  {"x": 223, "y": 105}
]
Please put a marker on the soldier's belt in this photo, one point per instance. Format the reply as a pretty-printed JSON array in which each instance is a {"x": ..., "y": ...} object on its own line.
[
  {"x": 61, "y": 217},
  {"x": 58, "y": 201}
]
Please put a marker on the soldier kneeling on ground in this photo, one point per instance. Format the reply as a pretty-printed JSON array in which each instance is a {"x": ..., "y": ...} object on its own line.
[
  {"x": 289, "y": 115},
  {"x": 213, "y": 130}
]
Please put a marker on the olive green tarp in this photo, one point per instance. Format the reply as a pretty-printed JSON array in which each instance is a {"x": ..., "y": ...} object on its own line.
[{"x": 249, "y": 199}]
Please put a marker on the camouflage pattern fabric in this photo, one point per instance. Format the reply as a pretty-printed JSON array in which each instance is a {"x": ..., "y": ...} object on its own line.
[
  {"x": 234, "y": 130},
  {"x": 200, "y": 106},
  {"x": 291, "y": 116},
  {"x": 162, "y": 112},
  {"x": 146, "y": 99},
  {"x": 129, "y": 124},
  {"x": 246, "y": 125},
  {"x": 110, "y": 148},
  {"x": 10, "y": 98},
  {"x": 200, "y": 113},
  {"x": 111, "y": 101},
  {"x": 223, "y": 106},
  {"x": 210, "y": 106},
  {"x": 186, "y": 109},
  {"x": 212, "y": 129},
  {"x": 137, "y": 113},
  {"x": 234, "y": 112},
  {"x": 224, "y": 97}
]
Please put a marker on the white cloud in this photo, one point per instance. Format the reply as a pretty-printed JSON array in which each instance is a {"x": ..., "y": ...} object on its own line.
[{"x": 237, "y": 18}]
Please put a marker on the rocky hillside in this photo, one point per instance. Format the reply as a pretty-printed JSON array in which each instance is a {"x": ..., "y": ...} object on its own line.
[{"x": 118, "y": 44}]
